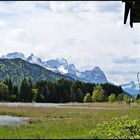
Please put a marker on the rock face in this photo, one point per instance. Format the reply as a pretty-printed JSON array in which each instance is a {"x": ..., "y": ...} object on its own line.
[
  {"x": 61, "y": 66},
  {"x": 94, "y": 76},
  {"x": 34, "y": 59}
]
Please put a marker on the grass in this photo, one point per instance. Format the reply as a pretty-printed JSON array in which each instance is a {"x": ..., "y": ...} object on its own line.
[{"x": 73, "y": 121}]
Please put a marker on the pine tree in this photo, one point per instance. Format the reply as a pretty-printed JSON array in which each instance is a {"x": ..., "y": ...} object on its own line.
[{"x": 26, "y": 90}]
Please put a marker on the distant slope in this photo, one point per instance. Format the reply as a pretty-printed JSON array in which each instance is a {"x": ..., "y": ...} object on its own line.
[
  {"x": 130, "y": 88},
  {"x": 17, "y": 69}
]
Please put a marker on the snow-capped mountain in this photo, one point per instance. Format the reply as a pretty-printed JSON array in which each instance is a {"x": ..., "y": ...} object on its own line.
[
  {"x": 94, "y": 76},
  {"x": 60, "y": 65},
  {"x": 14, "y": 55},
  {"x": 130, "y": 88},
  {"x": 34, "y": 59}
]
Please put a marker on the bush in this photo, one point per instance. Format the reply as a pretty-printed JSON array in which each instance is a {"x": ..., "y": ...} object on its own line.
[
  {"x": 87, "y": 98},
  {"x": 118, "y": 128},
  {"x": 98, "y": 94},
  {"x": 112, "y": 98}
]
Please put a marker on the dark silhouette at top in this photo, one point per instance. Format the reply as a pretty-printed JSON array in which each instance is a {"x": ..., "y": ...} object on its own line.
[{"x": 132, "y": 6}]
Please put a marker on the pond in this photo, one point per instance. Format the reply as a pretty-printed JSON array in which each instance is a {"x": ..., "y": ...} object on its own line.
[
  {"x": 7, "y": 120},
  {"x": 30, "y": 104}
]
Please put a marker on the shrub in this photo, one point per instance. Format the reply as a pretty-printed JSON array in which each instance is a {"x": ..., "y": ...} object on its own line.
[
  {"x": 112, "y": 98},
  {"x": 118, "y": 128},
  {"x": 87, "y": 98},
  {"x": 98, "y": 94}
]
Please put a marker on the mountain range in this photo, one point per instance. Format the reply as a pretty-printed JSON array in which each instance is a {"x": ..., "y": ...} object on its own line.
[
  {"x": 60, "y": 65},
  {"x": 63, "y": 68}
]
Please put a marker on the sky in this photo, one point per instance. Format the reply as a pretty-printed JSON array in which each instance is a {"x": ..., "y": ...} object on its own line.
[{"x": 85, "y": 33}]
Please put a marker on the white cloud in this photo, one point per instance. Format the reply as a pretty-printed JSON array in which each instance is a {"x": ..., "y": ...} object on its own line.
[
  {"x": 2, "y": 24},
  {"x": 88, "y": 33}
]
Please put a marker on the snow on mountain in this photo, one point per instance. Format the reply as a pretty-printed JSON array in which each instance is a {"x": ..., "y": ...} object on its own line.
[
  {"x": 130, "y": 88},
  {"x": 55, "y": 63},
  {"x": 14, "y": 55},
  {"x": 62, "y": 70},
  {"x": 61, "y": 65},
  {"x": 34, "y": 59},
  {"x": 94, "y": 76}
]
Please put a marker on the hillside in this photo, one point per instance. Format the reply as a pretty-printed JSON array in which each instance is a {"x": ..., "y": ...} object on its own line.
[{"x": 17, "y": 69}]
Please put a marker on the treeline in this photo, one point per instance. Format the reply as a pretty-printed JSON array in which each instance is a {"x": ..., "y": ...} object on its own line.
[
  {"x": 99, "y": 95},
  {"x": 61, "y": 91}
]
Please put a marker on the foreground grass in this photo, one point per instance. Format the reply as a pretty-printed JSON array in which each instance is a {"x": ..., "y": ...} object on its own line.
[{"x": 71, "y": 121}]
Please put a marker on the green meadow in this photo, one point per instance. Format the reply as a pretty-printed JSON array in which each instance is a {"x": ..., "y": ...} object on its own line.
[{"x": 69, "y": 121}]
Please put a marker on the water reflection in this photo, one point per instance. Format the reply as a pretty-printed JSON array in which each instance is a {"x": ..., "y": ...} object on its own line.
[{"x": 7, "y": 120}]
